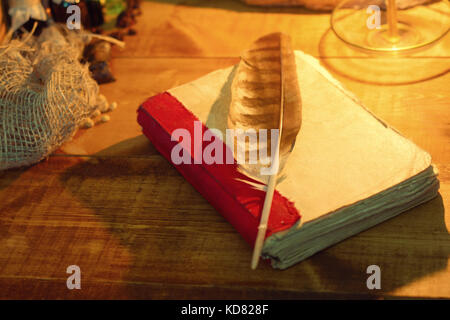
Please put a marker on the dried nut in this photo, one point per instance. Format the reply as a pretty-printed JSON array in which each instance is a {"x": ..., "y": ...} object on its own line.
[
  {"x": 105, "y": 118},
  {"x": 113, "y": 106},
  {"x": 97, "y": 50},
  {"x": 87, "y": 123},
  {"x": 102, "y": 103},
  {"x": 96, "y": 113}
]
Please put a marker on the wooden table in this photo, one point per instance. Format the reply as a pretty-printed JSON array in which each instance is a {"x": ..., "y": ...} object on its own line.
[{"x": 109, "y": 203}]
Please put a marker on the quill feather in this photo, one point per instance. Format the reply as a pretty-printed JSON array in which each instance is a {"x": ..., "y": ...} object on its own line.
[{"x": 266, "y": 95}]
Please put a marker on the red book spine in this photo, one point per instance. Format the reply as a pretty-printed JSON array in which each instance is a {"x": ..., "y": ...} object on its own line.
[{"x": 220, "y": 184}]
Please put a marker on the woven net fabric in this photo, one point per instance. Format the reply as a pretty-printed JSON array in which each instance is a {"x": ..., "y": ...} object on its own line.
[{"x": 45, "y": 94}]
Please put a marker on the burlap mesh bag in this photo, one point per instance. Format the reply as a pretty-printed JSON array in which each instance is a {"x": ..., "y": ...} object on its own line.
[{"x": 45, "y": 94}]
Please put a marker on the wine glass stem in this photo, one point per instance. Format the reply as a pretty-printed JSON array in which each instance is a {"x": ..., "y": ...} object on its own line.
[{"x": 392, "y": 21}]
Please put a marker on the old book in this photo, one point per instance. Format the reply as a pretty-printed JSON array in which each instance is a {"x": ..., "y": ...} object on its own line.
[{"x": 348, "y": 170}]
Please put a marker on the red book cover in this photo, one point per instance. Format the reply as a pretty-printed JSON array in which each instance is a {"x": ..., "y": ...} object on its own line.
[{"x": 221, "y": 184}]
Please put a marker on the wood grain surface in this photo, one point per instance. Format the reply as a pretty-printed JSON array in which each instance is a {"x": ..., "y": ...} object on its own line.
[
  {"x": 2, "y": 21},
  {"x": 109, "y": 203}
]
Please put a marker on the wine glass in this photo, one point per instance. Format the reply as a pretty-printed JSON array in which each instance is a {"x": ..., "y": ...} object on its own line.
[{"x": 391, "y": 26}]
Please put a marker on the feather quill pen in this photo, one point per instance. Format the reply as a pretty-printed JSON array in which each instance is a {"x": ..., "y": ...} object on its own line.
[{"x": 266, "y": 95}]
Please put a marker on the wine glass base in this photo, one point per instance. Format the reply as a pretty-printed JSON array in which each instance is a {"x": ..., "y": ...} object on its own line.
[
  {"x": 406, "y": 37},
  {"x": 417, "y": 27}
]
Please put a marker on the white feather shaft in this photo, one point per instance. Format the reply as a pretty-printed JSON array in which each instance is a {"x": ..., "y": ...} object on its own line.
[{"x": 262, "y": 228}]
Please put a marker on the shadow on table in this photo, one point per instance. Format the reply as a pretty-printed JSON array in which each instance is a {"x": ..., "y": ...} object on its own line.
[
  {"x": 381, "y": 70},
  {"x": 7, "y": 177},
  {"x": 182, "y": 248}
]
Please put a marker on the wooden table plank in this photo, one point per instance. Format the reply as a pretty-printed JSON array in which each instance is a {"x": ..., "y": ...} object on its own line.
[
  {"x": 108, "y": 202},
  {"x": 131, "y": 222},
  {"x": 223, "y": 28}
]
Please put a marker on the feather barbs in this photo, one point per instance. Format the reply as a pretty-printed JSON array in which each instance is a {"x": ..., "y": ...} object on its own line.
[{"x": 267, "y": 70}]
